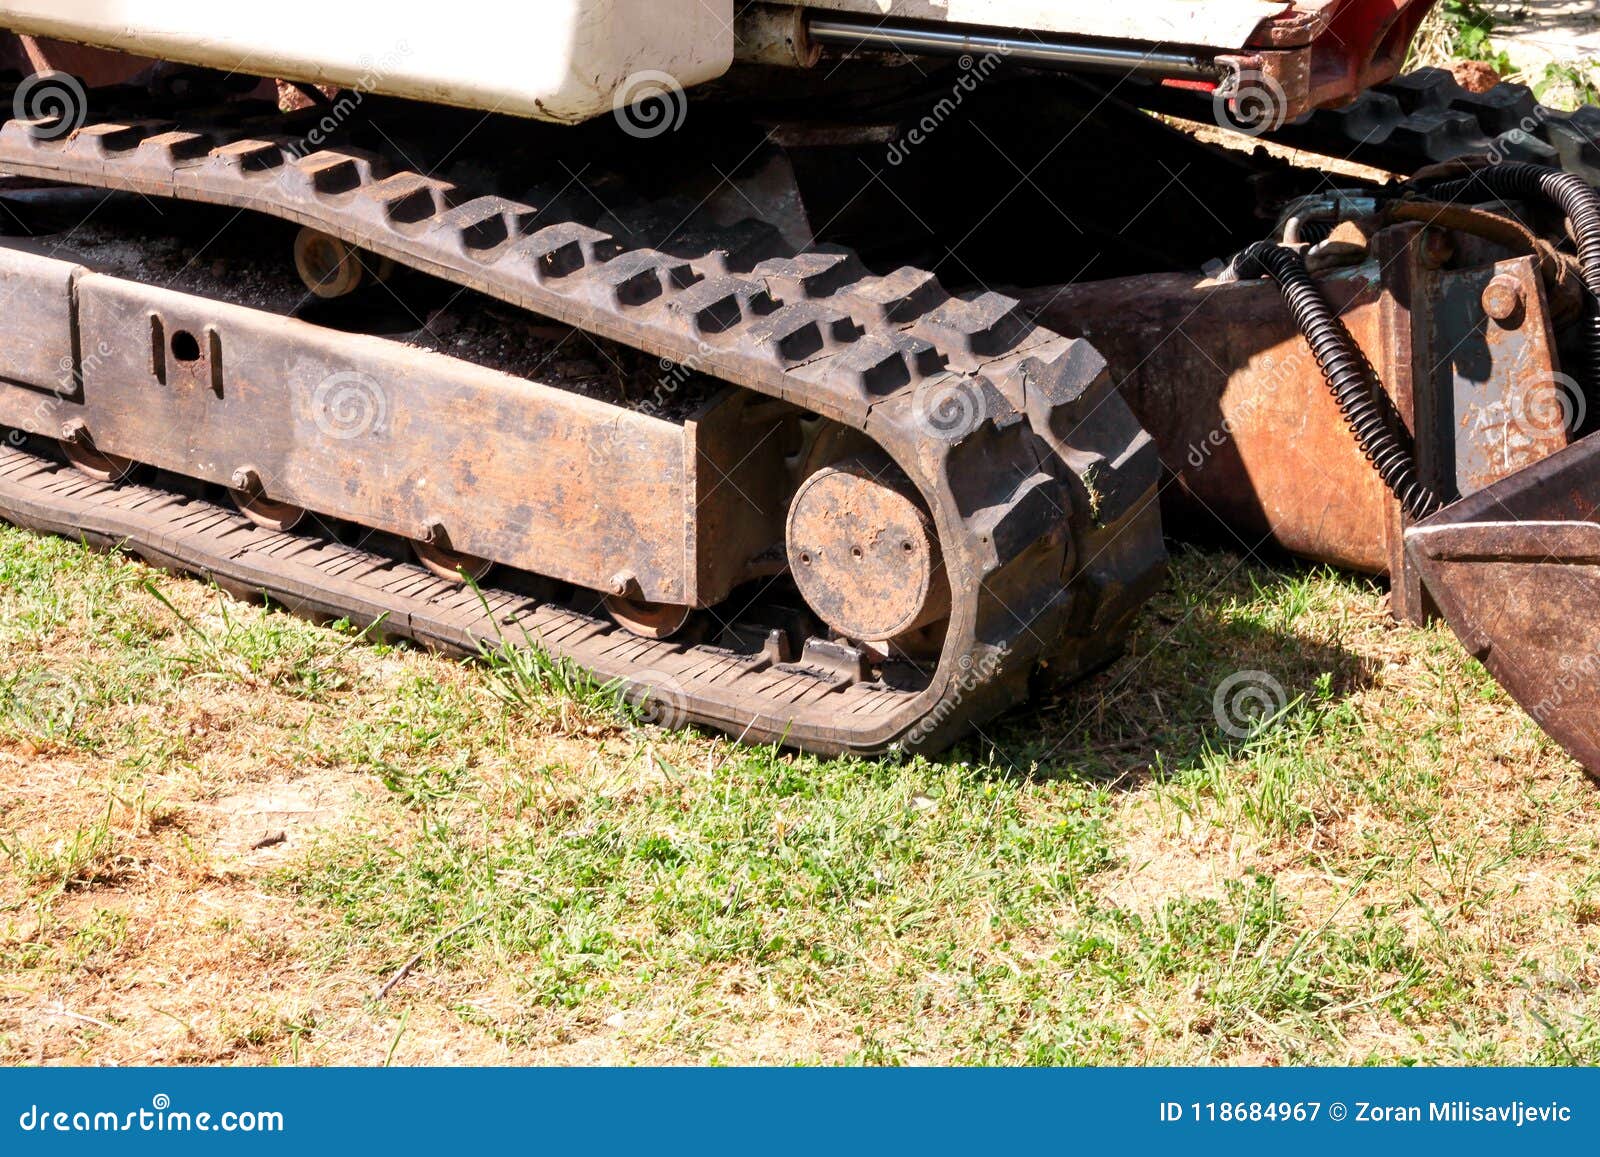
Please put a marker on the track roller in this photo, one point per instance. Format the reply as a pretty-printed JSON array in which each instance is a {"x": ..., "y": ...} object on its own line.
[
  {"x": 433, "y": 551},
  {"x": 645, "y": 619},
  {"x": 247, "y": 495},
  {"x": 80, "y": 450},
  {"x": 331, "y": 267}
]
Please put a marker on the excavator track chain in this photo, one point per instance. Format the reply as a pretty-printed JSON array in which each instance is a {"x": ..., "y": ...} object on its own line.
[
  {"x": 1425, "y": 117},
  {"x": 1043, "y": 501}
]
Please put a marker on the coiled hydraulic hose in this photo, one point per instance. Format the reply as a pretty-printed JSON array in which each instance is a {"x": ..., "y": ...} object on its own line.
[
  {"x": 1581, "y": 205},
  {"x": 1350, "y": 377}
]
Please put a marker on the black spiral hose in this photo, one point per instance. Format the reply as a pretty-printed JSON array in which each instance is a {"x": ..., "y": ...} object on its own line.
[
  {"x": 1316, "y": 232},
  {"x": 1581, "y": 205},
  {"x": 1350, "y": 377}
]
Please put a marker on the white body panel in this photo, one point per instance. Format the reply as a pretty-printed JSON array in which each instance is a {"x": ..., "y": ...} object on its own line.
[{"x": 562, "y": 60}]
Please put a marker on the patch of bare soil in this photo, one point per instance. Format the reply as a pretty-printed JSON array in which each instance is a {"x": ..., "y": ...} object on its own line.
[
  {"x": 142, "y": 934},
  {"x": 167, "y": 949}
]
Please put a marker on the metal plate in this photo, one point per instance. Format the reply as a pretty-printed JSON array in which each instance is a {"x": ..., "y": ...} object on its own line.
[
  {"x": 38, "y": 350},
  {"x": 395, "y": 437}
]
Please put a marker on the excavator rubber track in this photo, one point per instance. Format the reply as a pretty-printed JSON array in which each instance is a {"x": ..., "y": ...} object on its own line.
[
  {"x": 1044, "y": 511},
  {"x": 1425, "y": 117}
]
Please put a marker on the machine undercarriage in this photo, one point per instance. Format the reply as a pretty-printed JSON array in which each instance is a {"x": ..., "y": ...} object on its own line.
[{"x": 842, "y": 417}]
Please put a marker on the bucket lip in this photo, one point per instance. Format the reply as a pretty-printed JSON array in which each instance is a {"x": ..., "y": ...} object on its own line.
[{"x": 1558, "y": 541}]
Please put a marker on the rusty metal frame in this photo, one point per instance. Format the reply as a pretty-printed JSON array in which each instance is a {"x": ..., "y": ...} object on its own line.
[{"x": 398, "y": 438}]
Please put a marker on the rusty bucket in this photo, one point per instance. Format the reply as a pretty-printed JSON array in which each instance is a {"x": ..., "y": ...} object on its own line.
[{"x": 1515, "y": 570}]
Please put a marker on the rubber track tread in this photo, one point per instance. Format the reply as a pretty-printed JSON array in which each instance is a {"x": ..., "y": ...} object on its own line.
[{"x": 1426, "y": 117}]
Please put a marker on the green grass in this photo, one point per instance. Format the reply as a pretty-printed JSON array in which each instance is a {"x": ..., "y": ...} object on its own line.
[
  {"x": 1567, "y": 85},
  {"x": 1458, "y": 30},
  {"x": 1387, "y": 863}
]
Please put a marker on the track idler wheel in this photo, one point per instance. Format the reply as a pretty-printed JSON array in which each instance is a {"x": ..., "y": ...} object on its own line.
[
  {"x": 331, "y": 267},
  {"x": 80, "y": 450},
  {"x": 865, "y": 553}
]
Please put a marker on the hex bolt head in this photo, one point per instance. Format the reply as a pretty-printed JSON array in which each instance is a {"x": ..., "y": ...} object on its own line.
[
  {"x": 74, "y": 431},
  {"x": 623, "y": 583},
  {"x": 433, "y": 532},
  {"x": 246, "y": 479},
  {"x": 1502, "y": 297}
]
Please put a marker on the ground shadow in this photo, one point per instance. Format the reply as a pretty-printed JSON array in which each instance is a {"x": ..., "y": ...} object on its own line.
[{"x": 1227, "y": 640}]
